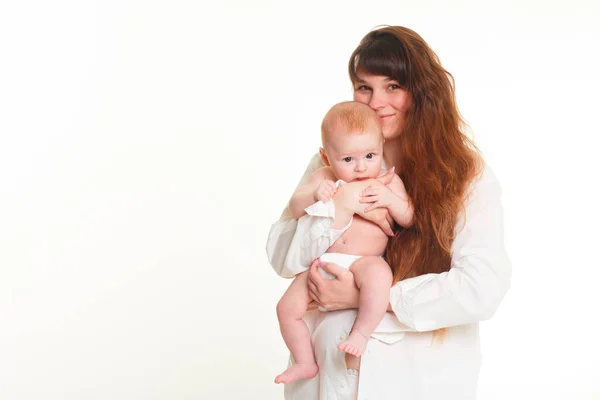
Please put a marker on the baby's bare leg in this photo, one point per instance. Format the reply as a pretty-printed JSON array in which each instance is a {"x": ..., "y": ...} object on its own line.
[
  {"x": 290, "y": 310},
  {"x": 373, "y": 277}
]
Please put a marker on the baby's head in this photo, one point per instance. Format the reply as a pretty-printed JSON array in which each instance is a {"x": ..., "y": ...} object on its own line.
[{"x": 352, "y": 141}]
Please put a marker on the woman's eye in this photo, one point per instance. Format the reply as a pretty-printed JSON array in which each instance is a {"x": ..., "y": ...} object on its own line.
[
  {"x": 348, "y": 159},
  {"x": 361, "y": 88},
  {"x": 393, "y": 86},
  {"x": 370, "y": 155}
]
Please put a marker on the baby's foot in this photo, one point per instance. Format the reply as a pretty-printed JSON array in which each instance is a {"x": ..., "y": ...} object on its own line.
[
  {"x": 297, "y": 372},
  {"x": 355, "y": 344}
]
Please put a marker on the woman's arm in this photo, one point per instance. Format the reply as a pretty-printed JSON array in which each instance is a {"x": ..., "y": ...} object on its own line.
[
  {"x": 480, "y": 272},
  {"x": 469, "y": 292},
  {"x": 282, "y": 231}
]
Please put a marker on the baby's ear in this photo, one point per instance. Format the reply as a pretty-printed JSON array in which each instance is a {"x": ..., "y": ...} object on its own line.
[{"x": 323, "y": 156}]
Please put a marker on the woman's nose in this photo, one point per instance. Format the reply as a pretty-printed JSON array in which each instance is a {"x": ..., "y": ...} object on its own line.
[{"x": 377, "y": 101}]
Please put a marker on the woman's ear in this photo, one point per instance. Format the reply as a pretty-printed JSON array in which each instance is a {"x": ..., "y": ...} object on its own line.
[{"x": 323, "y": 156}]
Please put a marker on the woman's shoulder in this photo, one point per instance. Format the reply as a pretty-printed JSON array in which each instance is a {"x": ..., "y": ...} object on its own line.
[
  {"x": 315, "y": 163},
  {"x": 484, "y": 193},
  {"x": 486, "y": 180},
  {"x": 484, "y": 188}
]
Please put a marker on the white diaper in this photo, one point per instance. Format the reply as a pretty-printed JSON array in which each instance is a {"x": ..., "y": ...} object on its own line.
[
  {"x": 343, "y": 260},
  {"x": 389, "y": 330}
]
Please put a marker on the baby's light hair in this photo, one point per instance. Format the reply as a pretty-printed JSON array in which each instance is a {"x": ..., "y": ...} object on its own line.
[{"x": 354, "y": 117}]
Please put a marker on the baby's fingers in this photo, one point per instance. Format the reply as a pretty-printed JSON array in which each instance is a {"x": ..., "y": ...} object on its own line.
[
  {"x": 367, "y": 199},
  {"x": 372, "y": 206},
  {"x": 329, "y": 193}
]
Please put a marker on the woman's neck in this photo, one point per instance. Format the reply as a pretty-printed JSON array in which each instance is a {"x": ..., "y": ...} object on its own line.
[{"x": 391, "y": 153}]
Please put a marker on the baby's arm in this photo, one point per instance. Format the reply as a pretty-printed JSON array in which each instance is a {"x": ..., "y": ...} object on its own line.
[
  {"x": 320, "y": 186},
  {"x": 402, "y": 211}
]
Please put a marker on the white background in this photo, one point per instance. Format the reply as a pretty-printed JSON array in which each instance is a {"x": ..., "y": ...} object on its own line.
[{"x": 147, "y": 146}]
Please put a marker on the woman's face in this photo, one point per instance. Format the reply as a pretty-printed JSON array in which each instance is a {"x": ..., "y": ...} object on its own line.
[{"x": 387, "y": 98}]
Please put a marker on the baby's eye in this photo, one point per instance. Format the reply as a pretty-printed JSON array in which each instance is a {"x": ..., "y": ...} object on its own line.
[
  {"x": 370, "y": 155},
  {"x": 348, "y": 159}
]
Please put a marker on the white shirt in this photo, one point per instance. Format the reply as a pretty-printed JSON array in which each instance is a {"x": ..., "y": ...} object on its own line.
[{"x": 407, "y": 364}]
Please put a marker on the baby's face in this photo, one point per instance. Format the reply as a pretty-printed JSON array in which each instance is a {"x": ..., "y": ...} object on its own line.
[{"x": 355, "y": 156}]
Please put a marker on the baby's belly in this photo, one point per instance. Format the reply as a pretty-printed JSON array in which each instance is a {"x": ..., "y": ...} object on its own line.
[{"x": 363, "y": 238}]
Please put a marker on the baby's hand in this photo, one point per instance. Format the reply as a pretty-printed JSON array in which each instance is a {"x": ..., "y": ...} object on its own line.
[{"x": 324, "y": 192}]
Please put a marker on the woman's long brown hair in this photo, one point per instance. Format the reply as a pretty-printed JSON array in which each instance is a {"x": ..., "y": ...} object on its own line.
[{"x": 438, "y": 161}]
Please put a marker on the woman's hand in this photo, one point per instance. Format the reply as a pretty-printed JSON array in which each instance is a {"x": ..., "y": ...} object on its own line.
[
  {"x": 380, "y": 217},
  {"x": 339, "y": 293}
]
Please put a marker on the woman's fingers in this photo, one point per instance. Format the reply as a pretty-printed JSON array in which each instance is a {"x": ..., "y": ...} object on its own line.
[
  {"x": 333, "y": 269},
  {"x": 314, "y": 280},
  {"x": 387, "y": 177},
  {"x": 313, "y": 291},
  {"x": 314, "y": 297},
  {"x": 381, "y": 217},
  {"x": 386, "y": 226},
  {"x": 372, "y": 206},
  {"x": 313, "y": 274}
]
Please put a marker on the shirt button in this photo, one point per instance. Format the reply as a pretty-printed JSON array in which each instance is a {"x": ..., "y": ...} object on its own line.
[{"x": 343, "y": 385}]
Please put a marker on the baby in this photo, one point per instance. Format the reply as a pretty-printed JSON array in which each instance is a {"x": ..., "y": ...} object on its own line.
[{"x": 352, "y": 151}]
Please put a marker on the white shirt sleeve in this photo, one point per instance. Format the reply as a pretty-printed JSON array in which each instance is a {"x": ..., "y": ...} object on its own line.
[
  {"x": 480, "y": 272},
  {"x": 293, "y": 245}
]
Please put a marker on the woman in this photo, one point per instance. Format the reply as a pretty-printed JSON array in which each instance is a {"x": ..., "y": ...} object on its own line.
[{"x": 450, "y": 268}]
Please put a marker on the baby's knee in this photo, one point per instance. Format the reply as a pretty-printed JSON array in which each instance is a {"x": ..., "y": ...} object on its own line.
[
  {"x": 372, "y": 266},
  {"x": 371, "y": 262},
  {"x": 288, "y": 308},
  {"x": 291, "y": 307},
  {"x": 295, "y": 300},
  {"x": 282, "y": 308}
]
